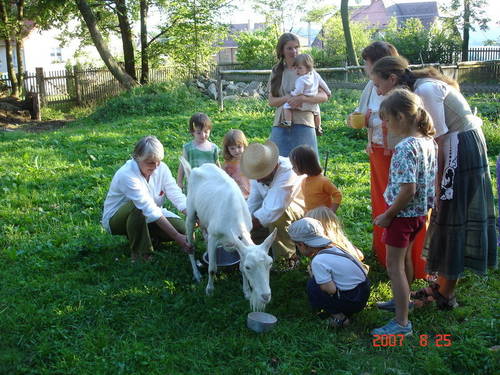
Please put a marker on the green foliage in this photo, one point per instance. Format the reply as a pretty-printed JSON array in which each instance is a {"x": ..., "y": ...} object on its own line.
[
  {"x": 334, "y": 52},
  {"x": 71, "y": 301},
  {"x": 256, "y": 49},
  {"x": 440, "y": 43}
]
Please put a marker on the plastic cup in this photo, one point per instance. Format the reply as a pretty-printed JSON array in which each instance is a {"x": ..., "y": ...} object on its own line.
[{"x": 358, "y": 120}]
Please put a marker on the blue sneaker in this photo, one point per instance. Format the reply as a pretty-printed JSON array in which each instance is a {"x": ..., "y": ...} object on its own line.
[
  {"x": 391, "y": 305},
  {"x": 394, "y": 328}
]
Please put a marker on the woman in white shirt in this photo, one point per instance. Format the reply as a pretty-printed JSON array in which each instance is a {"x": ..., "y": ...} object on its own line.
[{"x": 133, "y": 205}]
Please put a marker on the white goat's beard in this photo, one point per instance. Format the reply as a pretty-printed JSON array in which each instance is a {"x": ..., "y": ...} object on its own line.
[{"x": 256, "y": 303}]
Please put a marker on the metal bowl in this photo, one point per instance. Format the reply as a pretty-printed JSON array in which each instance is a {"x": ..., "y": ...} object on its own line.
[
  {"x": 260, "y": 321},
  {"x": 223, "y": 258}
]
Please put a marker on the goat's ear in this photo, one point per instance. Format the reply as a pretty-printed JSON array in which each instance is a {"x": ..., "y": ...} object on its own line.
[
  {"x": 237, "y": 241},
  {"x": 270, "y": 239}
]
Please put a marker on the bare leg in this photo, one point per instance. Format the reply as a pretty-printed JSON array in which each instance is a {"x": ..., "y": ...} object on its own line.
[
  {"x": 410, "y": 275},
  {"x": 399, "y": 282},
  {"x": 447, "y": 287}
]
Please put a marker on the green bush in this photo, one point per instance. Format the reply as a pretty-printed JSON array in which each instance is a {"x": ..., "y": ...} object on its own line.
[
  {"x": 256, "y": 49},
  {"x": 155, "y": 99}
]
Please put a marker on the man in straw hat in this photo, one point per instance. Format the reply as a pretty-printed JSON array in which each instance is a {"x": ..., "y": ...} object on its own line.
[{"x": 275, "y": 199}]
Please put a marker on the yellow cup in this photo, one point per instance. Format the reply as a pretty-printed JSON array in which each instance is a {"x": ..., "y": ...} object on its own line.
[{"x": 358, "y": 120}]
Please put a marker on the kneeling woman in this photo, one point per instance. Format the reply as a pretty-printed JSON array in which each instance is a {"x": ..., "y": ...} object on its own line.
[
  {"x": 133, "y": 206},
  {"x": 338, "y": 283}
]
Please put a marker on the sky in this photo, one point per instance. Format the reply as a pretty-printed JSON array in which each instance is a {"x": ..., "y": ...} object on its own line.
[{"x": 244, "y": 12}]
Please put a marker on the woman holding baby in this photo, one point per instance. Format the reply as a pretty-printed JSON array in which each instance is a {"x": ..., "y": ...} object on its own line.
[{"x": 282, "y": 82}]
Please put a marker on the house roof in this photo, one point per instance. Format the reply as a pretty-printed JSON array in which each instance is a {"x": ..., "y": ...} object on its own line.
[{"x": 379, "y": 12}]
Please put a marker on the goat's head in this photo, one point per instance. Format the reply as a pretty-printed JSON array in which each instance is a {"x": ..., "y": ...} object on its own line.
[{"x": 255, "y": 265}]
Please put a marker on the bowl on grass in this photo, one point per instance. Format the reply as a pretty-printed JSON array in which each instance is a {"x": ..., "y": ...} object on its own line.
[
  {"x": 223, "y": 258},
  {"x": 260, "y": 321}
]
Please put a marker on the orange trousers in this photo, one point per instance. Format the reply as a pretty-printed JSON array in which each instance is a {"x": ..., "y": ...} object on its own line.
[{"x": 379, "y": 176}]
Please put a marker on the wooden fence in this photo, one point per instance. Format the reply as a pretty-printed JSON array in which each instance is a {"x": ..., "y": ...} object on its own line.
[
  {"x": 86, "y": 86},
  {"x": 475, "y": 76}
]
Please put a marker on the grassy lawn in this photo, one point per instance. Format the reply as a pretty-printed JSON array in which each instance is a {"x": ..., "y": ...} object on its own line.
[{"x": 71, "y": 302}]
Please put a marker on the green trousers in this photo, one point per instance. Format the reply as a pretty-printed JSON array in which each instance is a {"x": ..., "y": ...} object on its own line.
[{"x": 131, "y": 222}]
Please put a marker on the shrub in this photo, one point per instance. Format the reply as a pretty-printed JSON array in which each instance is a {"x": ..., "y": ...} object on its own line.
[{"x": 256, "y": 48}]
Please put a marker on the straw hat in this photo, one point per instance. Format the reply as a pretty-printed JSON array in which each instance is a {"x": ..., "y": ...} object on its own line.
[{"x": 259, "y": 160}]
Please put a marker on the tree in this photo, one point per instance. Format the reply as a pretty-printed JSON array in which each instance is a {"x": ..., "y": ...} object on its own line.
[
  {"x": 344, "y": 14},
  {"x": 116, "y": 70},
  {"x": 466, "y": 14},
  {"x": 281, "y": 14},
  {"x": 6, "y": 32},
  {"x": 256, "y": 48},
  {"x": 126, "y": 36},
  {"x": 334, "y": 51}
]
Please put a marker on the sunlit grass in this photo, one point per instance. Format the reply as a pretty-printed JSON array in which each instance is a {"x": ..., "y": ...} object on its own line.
[{"x": 71, "y": 302}]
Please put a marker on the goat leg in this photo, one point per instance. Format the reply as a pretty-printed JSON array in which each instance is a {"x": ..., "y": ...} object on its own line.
[{"x": 196, "y": 272}]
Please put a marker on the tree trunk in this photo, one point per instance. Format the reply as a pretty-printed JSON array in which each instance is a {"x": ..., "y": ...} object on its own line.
[
  {"x": 116, "y": 70},
  {"x": 144, "y": 43},
  {"x": 465, "y": 40},
  {"x": 126, "y": 34},
  {"x": 6, "y": 35},
  {"x": 344, "y": 13},
  {"x": 20, "y": 44}
]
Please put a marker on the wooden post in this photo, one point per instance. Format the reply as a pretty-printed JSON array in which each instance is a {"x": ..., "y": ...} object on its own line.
[
  {"x": 40, "y": 83},
  {"x": 220, "y": 95},
  {"x": 77, "y": 85},
  {"x": 346, "y": 73},
  {"x": 37, "y": 114}
]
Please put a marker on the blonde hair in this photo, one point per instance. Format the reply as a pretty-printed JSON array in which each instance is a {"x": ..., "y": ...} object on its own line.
[
  {"x": 408, "y": 104},
  {"x": 233, "y": 137},
  {"x": 333, "y": 230},
  {"x": 305, "y": 60}
]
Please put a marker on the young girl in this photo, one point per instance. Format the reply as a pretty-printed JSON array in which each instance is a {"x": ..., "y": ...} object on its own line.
[
  {"x": 409, "y": 195},
  {"x": 307, "y": 83},
  {"x": 200, "y": 150},
  {"x": 333, "y": 230},
  {"x": 233, "y": 145},
  {"x": 317, "y": 189},
  {"x": 338, "y": 283}
]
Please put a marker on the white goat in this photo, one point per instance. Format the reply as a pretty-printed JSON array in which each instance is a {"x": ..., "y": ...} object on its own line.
[{"x": 216, "y": 200}]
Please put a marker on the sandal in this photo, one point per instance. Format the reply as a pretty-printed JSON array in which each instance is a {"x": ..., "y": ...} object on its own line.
[
  {"x": 424, "y": 296},
  {"x": 338, "y": 322},
  {"x": 444, "y": 303}
]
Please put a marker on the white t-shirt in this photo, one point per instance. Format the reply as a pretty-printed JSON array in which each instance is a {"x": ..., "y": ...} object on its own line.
[{"x": 342, "y": 271}]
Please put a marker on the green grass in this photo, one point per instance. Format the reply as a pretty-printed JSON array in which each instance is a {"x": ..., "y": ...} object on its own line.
[{"x": 71, "y": 302}]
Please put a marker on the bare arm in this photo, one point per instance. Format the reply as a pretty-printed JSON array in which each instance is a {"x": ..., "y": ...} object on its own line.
[
  {"x": 406, "y": 193},
  {"x": 169, "y": 229},
  {"x": 278, "y": 101},
  {"x": 297, "y": 101},
  {"x": 328, "y": 287}
]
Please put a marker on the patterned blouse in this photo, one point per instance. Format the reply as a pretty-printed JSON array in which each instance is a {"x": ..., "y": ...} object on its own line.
[{"x": 414, "y": 161}]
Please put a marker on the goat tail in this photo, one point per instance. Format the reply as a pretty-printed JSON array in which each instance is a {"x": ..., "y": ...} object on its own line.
[{"x": 186, "y": 166}]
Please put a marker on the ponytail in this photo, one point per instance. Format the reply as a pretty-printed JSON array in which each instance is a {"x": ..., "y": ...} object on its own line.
[{"x": 424, "y": 122}]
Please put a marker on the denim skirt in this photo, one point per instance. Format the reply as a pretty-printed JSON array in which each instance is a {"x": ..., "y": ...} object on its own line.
[{"x": 286, "y": 138}]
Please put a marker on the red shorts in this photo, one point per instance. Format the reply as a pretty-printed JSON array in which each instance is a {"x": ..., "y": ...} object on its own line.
[{"x": 403, "y": 230}]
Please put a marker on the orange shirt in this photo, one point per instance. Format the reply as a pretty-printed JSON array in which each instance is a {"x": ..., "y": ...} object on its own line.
[{"x": 319, "y": 191}]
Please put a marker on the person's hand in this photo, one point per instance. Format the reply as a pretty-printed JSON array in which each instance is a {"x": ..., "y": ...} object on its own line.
[
  {"x": 296, "y": 101},
  {"x": 369, "y": 148},
  {"x": 348, "y": 120},
  {"x": 383, "y": 220},
  {"x": 184, "y": 244},
  {"x": 256, "y": 223}
]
